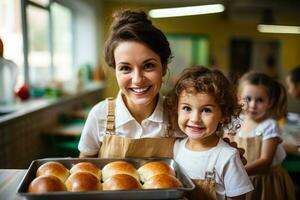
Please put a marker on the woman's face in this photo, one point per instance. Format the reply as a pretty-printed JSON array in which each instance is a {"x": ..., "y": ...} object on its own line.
[{"x": 139, "y": 73}]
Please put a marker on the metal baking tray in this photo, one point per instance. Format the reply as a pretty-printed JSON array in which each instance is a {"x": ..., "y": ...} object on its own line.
[{"x": 170, "y": 193}]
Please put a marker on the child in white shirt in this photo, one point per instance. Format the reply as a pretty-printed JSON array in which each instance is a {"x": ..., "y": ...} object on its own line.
[
  {"x": 264, "y": 101},
  {"x": 201, "y": 105}
]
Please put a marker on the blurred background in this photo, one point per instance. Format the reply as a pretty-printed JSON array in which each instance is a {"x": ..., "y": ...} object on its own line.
[{"x": 50, "y": 39}]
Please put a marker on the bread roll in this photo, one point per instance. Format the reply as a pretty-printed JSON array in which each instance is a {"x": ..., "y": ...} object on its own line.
[
  {"x": 153, "y": 168},
  {"x": 121, "y": 182},
  {"x": 83, "y": 181},
  {"x": 46, "y": 183},
  {"x": 161, "y": 181},
  {"x": 86, "y": 167},
  {"x": 119, "y": 167},
  {"x": 55, "y": 169}
]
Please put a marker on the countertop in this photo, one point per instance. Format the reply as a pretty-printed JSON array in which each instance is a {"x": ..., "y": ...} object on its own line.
[
  {"x": 9, "y": 182},
  {"x": 22, "y": 108}
]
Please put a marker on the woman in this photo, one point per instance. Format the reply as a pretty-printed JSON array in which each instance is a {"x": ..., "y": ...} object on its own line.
[{"x": 133, "y": 124}]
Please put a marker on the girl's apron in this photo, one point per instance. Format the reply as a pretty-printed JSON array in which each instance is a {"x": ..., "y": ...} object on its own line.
[
  {"x": 275, "y": 183},
  {"x": 206, "y": 189},
  {"x": 114, "y": 146}
]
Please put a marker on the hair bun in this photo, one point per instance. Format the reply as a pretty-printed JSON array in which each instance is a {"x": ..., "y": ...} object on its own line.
[{"x": 125, "y": 17}]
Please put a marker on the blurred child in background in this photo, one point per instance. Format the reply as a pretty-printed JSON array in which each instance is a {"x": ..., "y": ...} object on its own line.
[
  {"x": 201, "y": 104},
  {"x": 264, "y": 101},
  {"x": 293, "y": 82}
]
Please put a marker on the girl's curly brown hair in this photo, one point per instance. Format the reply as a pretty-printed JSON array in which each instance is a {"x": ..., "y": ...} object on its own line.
[{"x": 199, "y": 79}]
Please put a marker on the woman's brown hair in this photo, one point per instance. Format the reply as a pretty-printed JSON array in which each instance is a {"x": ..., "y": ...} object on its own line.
[{"x": 130, "y": 25}]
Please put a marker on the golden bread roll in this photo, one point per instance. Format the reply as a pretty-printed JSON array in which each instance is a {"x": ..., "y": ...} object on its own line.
[
  {"x": 119, "y": 167},
  {"x": 121, "y": 182},
  {"x": 86, "y": 167},
  {"x": 46, "y": 183},
  {"x": 55, "y": 169},
  {"x": 83, "y": 181},
  {"x": 153, "y": 168},
  {"x": 161, "y": 181}
]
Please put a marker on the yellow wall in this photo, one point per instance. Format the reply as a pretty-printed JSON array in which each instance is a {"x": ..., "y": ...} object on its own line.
[{"x": 219, "y": 31}]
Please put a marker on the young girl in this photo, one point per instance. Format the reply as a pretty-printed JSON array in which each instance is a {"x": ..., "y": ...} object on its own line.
[
  {"x": 264, "y": 101},
  {"x": 201, "y": 104}
]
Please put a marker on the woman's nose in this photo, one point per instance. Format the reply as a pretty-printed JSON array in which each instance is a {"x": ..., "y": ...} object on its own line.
[{"x": 137, "y": 77}]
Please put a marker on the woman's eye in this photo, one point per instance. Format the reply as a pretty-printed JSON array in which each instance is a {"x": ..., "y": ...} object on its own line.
[
  {"x": 125, "y": 69},
  {"x": 148, "y": 66}
]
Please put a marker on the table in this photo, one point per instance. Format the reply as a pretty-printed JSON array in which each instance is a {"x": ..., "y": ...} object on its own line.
[{"x": 9, "y": 182}]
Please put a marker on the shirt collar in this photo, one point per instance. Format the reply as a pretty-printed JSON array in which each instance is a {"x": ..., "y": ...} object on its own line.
[
  {"x": 125, "y": 116},
  {"x": 157, "y": 115}
]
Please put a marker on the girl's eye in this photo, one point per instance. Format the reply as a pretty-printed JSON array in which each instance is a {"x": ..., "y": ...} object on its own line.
[
  {"x": 247, "y": 99},
  {"x": 260, "y": 100},
  {"x": 206, "y": 110},
  {"x": 148, "y": 66},
  {"x": 186, "y": 108}
]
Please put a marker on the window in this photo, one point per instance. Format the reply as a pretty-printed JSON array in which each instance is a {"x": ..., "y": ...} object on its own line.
[
  {"x": 11, "y": 34},
  {"x": 39, "y": 57},
  {"x": 39, "y": 36},
  {"x": 62, "y": 42}
]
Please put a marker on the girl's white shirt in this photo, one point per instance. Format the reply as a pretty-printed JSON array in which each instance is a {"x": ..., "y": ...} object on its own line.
[
  {"x": 269, "y": 128},
  {"x": 230, "y": 175},
  {"x": 125, "y": 125}
]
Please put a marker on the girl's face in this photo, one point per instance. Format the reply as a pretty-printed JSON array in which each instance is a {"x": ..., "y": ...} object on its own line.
[
  {"x": 139, "y": 73},
  {"x": 293, "y": 89},
  {"x": 256, "y": 101},
  {"x": 198, "y": 115}
]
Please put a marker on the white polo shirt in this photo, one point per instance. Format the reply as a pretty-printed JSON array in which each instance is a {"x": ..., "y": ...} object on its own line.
[{"x": 125, "y": 125}]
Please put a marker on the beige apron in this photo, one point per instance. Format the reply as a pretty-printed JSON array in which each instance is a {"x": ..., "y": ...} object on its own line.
[
  {"x": 275, "y": 184},
  {"x": 206, "y": 189},
  {"x": 114, "y": 146}
]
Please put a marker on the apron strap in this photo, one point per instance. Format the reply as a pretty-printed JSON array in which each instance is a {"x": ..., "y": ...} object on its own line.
[
  {"x": 169, "y": 132},
  {"x": 210, "y": 170},
  {"x": 110, "y": 122}
]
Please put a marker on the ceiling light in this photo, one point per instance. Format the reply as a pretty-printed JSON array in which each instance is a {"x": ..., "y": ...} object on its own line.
[
  {"x": 186, "y": 11},
  {"x": 278, "y": 29}
]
